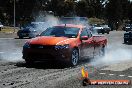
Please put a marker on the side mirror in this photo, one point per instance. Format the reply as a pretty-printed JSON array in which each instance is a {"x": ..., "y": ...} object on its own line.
[{"x": 84, "y": 38}]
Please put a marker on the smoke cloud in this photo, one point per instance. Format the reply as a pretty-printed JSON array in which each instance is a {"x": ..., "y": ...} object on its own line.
[
  {"x": 115, "y": 53},
  {"x": 10, "y": 51},
  {"x": 45, "y": 21}
]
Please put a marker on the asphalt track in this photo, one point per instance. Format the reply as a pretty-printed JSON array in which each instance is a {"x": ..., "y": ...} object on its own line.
[{"x": 14, "y": 73}]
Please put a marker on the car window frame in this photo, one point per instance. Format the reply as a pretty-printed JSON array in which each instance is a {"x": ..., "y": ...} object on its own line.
[{"x": 84, "y": 29}]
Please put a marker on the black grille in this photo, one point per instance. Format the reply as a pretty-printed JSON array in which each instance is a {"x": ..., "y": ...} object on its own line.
[
  {"x": 40, "y": 56},
  {"x": 36, "y": 46}
]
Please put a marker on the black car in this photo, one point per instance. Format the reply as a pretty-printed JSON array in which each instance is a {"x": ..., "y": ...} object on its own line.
[
  {"x": 28, "y": 31},
  {"x": 127, "y": 27},
  {"x": 128, "y": 37},
  {"x": 106, "y": 28}
]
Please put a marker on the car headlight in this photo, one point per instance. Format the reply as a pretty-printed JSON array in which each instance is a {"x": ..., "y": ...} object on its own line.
[
  {"x": 57, "y": 47},
  {"x": 26, "y": 45}
]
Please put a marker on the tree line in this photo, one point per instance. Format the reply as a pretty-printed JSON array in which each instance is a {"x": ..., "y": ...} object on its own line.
[{"x": 113, "y": 11}]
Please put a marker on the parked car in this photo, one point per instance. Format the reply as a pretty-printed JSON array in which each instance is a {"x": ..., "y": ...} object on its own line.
[
  {"x": 128, "y": 37},
  {"x": 1, "y": 26},
  {"x": 31, "y": 30},
  {"x": 101, "y": 29},
  {"x": 66, "y": 42},
  {"x": 106, "y": 29},
  {"x": 127, "y": 27}
]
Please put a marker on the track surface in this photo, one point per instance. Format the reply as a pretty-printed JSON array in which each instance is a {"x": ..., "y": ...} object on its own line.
[{"x": 14, "y": 73}]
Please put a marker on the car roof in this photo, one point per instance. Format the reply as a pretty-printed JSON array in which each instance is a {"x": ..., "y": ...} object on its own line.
[{"x": 70, "y": 25}]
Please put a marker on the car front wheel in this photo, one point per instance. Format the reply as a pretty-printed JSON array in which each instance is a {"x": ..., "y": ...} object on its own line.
[
  {"x": 107, "y": 32},
  {"x": 29, "y": 62},
  {"x": 74, "y": 57}
]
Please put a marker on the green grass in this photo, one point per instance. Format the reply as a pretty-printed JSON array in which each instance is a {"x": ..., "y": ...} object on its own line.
[
  {"x": 7, "y": 29},
  {"x": 96, "y": 21}
]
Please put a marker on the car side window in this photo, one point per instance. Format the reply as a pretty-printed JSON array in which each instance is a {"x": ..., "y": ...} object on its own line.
[{"x": 84, "y": 33}]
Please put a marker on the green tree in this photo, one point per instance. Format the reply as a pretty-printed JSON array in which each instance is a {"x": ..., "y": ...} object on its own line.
[{"x": 114, "y": 13}]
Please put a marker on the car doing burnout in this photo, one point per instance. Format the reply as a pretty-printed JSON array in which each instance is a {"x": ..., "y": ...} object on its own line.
[{"x": 66, "y": 42}]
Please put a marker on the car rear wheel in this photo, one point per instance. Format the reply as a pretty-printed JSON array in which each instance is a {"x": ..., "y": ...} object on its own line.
[
  {"x": 74, "y": 57},
  {"x": 107, "y": 32}
]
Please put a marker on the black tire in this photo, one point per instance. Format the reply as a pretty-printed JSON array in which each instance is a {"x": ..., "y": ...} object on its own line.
[
  {"x": 29, "y": 62},
  {"x": 74, "y": 57},
  {"x": 107, "y": 32}
]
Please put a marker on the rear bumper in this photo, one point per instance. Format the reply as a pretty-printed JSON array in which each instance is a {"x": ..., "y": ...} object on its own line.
[
  {"x": 103, "y": 31},
  {"x": 128, "y": 39},
  {"x": 46, "y": 54}
]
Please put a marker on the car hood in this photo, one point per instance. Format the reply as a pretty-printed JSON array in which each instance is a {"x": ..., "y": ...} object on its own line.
[{"x": 48, "y": 40}]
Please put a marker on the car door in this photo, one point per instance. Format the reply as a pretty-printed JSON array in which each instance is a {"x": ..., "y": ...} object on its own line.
[{"x": 86, "y": 45}]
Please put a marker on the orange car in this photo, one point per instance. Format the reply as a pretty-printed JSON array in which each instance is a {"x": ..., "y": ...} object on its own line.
[{"x": 66, "y": 42}]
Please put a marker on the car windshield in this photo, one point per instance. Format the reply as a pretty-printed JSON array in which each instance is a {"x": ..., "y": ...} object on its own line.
[
  {"x": 0, "y": 23},
  {"x": 69, "y": 32}
]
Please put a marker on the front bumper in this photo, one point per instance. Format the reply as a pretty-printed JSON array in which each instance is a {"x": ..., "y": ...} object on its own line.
[{"x": 46, "y": 54}]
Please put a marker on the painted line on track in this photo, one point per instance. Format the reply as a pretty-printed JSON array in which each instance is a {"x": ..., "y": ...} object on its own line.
[
  {"x": 130, "y": 76},
  {"x": 102, "y": 73},
  {"x": 6, "y": 38},
  {"x": 121, "y": 75},
  {"x": 111, "y": 74},
  {"x": 114, "y": 74}
]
